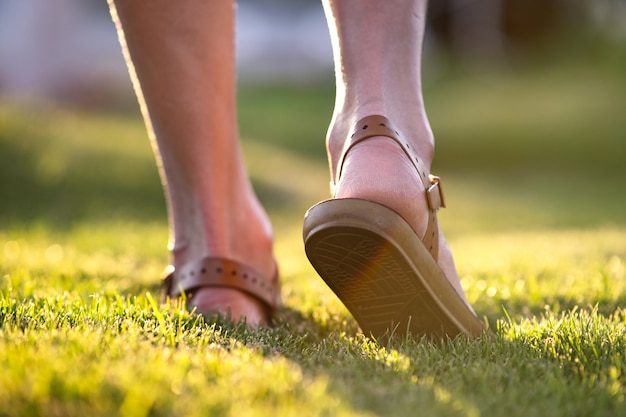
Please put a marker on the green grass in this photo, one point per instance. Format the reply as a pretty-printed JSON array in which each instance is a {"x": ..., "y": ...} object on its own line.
[{"x": 533, "y": 167}]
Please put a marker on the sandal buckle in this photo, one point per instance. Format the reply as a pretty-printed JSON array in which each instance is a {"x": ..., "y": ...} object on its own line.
[{"x": 434, "y": 194}]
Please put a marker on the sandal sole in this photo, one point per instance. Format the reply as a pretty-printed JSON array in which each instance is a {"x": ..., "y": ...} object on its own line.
[{"x": 378, "y": 267}]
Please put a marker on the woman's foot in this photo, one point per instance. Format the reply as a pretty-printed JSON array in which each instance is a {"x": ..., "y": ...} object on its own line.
[
  {"x": 378, "y": 170},
  {"x": 238, "y": 230}
]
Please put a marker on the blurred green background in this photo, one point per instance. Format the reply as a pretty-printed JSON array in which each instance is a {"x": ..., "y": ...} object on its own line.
[{"x": 527, "y": 104}]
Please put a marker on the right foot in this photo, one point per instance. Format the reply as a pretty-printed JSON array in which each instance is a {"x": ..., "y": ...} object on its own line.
[{"x": 378, "y": 170}]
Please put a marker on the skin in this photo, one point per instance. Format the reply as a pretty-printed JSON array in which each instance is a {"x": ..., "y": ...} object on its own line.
[{"x": 181, "y": 59}]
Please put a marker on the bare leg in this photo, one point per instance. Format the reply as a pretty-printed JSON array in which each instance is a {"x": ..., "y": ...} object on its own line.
[
  {"x": 377, "y": 47},
  {"x": 181, "y": 59}
]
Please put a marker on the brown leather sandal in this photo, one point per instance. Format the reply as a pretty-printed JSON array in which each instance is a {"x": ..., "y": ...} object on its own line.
[
  {"x": 384, "y": 273},
  {"x": 219, "y": 272}
]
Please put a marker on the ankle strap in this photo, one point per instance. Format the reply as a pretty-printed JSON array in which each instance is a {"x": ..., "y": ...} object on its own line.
[{"x": 219, "y": 272}]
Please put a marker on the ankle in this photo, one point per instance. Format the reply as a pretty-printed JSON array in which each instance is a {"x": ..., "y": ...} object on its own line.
[
  {"x": 242, "y": 232},
  {"x": 413, "y": 127}
]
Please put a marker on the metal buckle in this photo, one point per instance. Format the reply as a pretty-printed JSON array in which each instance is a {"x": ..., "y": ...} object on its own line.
[{"x": 434, "y": 193}]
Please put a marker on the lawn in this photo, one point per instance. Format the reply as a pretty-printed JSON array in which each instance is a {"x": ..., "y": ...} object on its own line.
[{"x": 533, "y": 163}]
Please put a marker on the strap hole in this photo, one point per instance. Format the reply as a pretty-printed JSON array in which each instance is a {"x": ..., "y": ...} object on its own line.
[
  {"x": 364, "y": 127},
  {"x": 203, "y": 270},
  {"x": 245, "y": 276},
  {"x": 382, "y": 124},
  {"x": 219, "y": 270},
  {"x": 234, "y": 273}
]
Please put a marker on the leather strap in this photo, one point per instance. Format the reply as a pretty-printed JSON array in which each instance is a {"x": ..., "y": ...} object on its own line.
[
  {"x": 218, "y": 272},
  {"x": 372, "y": 126}
]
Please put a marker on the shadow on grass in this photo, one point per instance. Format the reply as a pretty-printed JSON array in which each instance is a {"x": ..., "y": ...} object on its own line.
[{"x": 554, "y": 369}]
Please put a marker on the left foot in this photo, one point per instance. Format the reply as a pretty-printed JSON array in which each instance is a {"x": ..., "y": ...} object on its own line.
[{"x": 233, "y": 227}]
